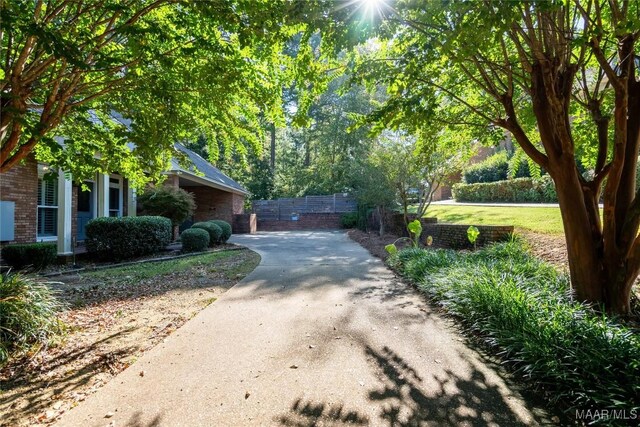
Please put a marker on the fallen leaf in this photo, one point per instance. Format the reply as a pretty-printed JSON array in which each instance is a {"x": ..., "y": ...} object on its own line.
[{"x": 141, "y": 373}]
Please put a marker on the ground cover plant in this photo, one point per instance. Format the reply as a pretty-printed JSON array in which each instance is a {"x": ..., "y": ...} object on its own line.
[
  {"x": 28, "y": 315},
  {"x": 523, "y": 309}
]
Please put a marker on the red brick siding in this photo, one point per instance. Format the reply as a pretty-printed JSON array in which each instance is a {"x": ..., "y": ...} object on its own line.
[
  {"x": 212, "y": 203},
  {"x": 238, "y": 204},
  {"x": 244, "y": 224},
  {"x": 20, "y": 185},
  {"x": 454, "y": 236}
]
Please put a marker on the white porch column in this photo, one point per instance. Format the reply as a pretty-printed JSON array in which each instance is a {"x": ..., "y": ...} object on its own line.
[
  {"x": 132, "y": 202},
  {"x": 103, "y": 195},
  {"x": 65, "y": 206}
]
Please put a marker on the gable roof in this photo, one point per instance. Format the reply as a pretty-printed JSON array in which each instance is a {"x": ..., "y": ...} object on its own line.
[{"x": 202, "y": 169}]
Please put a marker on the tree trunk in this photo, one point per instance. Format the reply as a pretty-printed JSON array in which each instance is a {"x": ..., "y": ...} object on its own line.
[
  {"x": 599, "y": 274},
  {"x": 273, "y": 148},
  {"x": 583, "y": 248}
]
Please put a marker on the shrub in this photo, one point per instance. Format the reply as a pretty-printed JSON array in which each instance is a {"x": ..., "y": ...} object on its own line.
[
  {"x": 215, "y": 232},
  {"x": 225, "y": 227},
  {"x": 27, "y": 314},
  {"x": 37, "y": 255},
  {"x": 522, "y": 307},
  {"x": 518, "y": 190},
  {"x": 349, "y": 220},
  {"x": 493, "y": 168},
  {"x": 169, "y": 202},
  {"x": 128, "y": 237},
  {"x": 195, "y": 240}
]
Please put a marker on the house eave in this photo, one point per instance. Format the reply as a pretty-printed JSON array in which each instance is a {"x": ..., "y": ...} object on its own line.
[{"x": 207, "y": 182}]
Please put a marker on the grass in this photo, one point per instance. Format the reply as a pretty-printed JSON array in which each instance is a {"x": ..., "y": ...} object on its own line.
[
  {"x": 136, "y": 272},
  {"x": 541, "y": 220},
  {"x": 523, "y": 309}
]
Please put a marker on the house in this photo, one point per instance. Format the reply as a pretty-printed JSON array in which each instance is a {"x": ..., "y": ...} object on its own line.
[{"x": 35, "y": 209}]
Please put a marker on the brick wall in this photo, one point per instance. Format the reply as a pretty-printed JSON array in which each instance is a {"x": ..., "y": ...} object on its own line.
[
  {"x": 238, "y": 204},
  {"x": 454, "y": 236},
  {"x": 394, "y": 223},
  {"x": 212, "y": 203},
  {"x": 20, "y": 185},
  {"x": 244, "y": 224},
  {"x": 311, "y": 221}
]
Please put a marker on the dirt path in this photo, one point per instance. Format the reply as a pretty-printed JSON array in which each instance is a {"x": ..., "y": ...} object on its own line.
[{"x": 115, "y": 316}]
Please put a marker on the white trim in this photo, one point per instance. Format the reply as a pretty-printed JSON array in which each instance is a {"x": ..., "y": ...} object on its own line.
[
  {"x": 207, "y": 182},
  {"x": 65, "y": 197},
  {"x": 42, "y": 170},
  {"x": 120, "y": 187}
]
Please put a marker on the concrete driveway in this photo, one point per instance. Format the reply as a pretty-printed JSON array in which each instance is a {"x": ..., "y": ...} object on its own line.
[{"x": 320, "y": 333}]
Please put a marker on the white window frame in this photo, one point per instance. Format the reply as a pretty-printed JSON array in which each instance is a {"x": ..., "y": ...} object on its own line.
[
  {"x": 120, "y": 186},
  {"x": 42, "y": 170}
]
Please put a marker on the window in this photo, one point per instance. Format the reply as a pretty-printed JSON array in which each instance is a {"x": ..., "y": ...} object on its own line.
[
  {"x": 47, "y": 208},
  {"x": 115, "y": 197}
]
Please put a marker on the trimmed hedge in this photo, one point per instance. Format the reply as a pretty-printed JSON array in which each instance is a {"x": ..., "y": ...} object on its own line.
[
  {"x": 128, "y": 237},
  {"x": 37, "y": 255},
  {"x": 215, "y": 232},
  {"x": 518, "y": 190},
  {"x": 493, "y": 168},
  {"x": 195, "y": 240},
  {"x": 225, "y": 227}
]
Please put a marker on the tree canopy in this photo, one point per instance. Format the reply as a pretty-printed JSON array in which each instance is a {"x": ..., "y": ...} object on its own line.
[
  {"x": 106, "y": 74},
  {"x": 562, "y": 78}
]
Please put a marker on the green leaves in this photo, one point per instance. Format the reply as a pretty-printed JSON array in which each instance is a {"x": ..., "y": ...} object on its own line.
[
  {"x": 472, "y": 234},
  {"x": 415, "y": 228}
]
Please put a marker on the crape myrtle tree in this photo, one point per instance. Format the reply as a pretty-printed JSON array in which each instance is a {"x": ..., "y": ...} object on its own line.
[
  {"x": 562, "y": 78},
  {"x": 102, "y": 74}
]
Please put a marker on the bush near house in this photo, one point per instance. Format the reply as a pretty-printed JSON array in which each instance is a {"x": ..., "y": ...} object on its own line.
[
  {"x": 169, "y": 202},
  {"x": 194, "y": 240},
  {"x": 215, "y": 232},
  {"x": 518, "y": 190},
  {"x": 225, "y": 227},
  {"x": 36, "y": 255},
  {"x": 28, "y": 314},
  {"x": 129, "y": 237},
  {"x": 522, "y": 307}
]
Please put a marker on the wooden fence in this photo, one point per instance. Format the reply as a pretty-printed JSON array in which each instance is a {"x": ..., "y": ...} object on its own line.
[{"x": 287, "y": 209}]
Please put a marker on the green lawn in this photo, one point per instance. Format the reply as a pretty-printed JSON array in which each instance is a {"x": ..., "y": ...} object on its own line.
[{"x": 541, "y": 220}]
